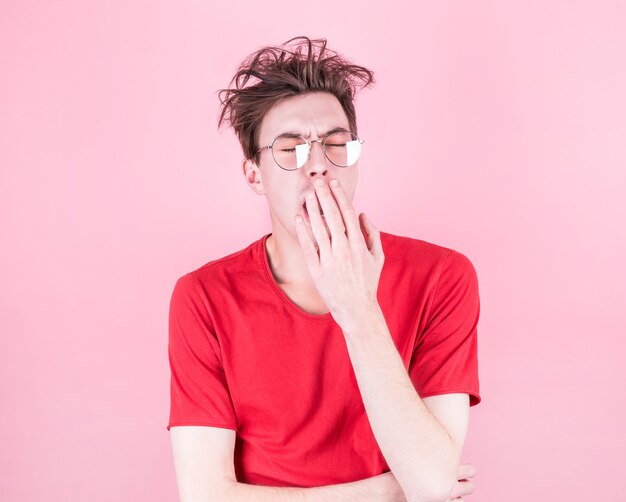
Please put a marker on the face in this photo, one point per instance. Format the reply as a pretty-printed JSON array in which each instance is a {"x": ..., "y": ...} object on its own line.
[{"x": 311, "y": 115}]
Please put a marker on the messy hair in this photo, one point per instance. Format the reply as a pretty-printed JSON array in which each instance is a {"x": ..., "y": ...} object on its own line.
[{"x": 282, "y": 72}]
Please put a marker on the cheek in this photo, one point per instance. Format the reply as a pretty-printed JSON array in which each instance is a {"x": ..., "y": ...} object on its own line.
[
  {"x": 349, "y": 182},
  {"x": 282, "y": 200},
  {"x": 350, "y": 191}
]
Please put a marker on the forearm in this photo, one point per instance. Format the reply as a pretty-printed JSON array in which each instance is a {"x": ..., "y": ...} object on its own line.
[
  {"x": 383, "y": 487},
  {"x": 415, "y": 445}
]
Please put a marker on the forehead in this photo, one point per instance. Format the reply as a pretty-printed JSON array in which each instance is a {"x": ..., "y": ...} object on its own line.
[{"x": 312, "y": 113}]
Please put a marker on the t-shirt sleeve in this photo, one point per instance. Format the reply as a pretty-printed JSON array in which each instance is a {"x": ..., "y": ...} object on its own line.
[
  {"x": 445, "y": 357},
  {"x": 199, "y": 393}
]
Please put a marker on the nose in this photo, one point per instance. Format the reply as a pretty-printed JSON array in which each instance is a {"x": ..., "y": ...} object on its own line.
[{"x": 317, "y": 163}]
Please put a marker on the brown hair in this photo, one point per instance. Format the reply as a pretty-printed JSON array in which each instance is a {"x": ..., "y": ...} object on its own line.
[{"x": 282, "y": 73}]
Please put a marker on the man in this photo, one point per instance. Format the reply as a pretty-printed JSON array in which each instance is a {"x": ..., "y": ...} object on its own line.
[{"x": 327, "y": 360}]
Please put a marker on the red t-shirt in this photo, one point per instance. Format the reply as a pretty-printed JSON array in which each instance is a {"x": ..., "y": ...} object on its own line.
[{"x": 243, "y": 356}]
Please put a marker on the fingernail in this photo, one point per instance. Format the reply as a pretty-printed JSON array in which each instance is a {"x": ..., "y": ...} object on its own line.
[
  {"x": 334, "y": 183},
  {"x": 319, "y": 183}
]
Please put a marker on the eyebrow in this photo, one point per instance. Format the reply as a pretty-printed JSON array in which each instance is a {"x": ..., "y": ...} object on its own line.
[{"x": 294, "y": 134}]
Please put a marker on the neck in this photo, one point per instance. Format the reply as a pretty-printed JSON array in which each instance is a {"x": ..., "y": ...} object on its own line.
[{"x": 286, "y": 259}]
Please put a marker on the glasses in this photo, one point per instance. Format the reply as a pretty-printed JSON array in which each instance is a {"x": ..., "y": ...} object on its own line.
[{"x": 291, "y": 151}]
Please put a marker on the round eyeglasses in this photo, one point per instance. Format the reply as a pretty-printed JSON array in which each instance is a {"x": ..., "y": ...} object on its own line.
[{"x": 291, "y": 151}]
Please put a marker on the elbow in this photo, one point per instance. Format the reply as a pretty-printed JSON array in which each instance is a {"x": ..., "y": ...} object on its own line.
[
  {"x": 441, "y": 496},
  {"x": 438, "y": 493},
  {"x": 226, "y": 491},
  {"x": 441, "y": 486},
  {"x": 444, "y": 490},
  {"x": 423, "y": 496}
]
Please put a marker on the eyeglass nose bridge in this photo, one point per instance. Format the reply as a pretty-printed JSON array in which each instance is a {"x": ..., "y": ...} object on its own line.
[
  {"x": 322, "y": 146},
  {"x": 310, "y": 145}
]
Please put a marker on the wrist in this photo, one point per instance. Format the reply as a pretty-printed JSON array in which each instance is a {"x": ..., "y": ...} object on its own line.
[{"x": 371, "y": 320}]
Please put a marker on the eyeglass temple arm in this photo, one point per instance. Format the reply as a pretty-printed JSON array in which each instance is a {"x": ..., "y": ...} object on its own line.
[{"x": 264, "y": 148}]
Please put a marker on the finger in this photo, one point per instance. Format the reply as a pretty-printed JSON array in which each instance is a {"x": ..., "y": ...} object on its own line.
[
  {"x": 462, "y": 488},
  {"x": 317, "y": 224},
  {"x": 347, "y": 211},
  {"x": 306, "y": 243},
  {"x": 466, "y": 471},
  {"x": 332, "y": 215}
]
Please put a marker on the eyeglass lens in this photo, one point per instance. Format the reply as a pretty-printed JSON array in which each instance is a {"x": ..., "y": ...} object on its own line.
[{"x": 341, "y": 148}]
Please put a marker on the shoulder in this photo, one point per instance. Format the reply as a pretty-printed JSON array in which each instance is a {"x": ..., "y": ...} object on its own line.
[
  {"x": 437, "y": 261},
  {"x": 401, "y": 247},
  {"x": 222, "y": 270}
]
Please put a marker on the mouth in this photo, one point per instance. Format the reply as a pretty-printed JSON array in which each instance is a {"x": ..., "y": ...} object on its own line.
[{"x": 306, "y": 213}]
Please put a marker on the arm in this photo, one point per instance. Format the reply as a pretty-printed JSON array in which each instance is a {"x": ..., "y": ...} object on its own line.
[
  {"x": 203, "y": 460},
  {"x": 383, "y": 487},
  {"x": 346, "y": 266},
  {"x": 421, "y": 452}
]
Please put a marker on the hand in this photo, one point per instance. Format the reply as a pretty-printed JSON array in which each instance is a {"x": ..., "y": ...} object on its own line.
[
  {"x": 347, "y": 270},
  {"x": 464, "y": 485}
]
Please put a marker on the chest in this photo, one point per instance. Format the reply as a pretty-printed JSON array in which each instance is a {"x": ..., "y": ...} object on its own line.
[{"x": 308, "y": 300}]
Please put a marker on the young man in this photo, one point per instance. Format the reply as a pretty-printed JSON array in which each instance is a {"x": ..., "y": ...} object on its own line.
[{"x": 327, "y": 360}]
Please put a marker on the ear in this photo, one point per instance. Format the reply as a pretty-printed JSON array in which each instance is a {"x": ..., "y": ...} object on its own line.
[{"x": 252, "y": 174}]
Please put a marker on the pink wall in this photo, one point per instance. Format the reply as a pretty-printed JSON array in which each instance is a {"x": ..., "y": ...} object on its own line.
[{"x": 495, "y": 128}]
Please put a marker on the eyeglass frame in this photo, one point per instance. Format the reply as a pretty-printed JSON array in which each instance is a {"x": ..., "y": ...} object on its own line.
[{"x": 321, "y": 140}]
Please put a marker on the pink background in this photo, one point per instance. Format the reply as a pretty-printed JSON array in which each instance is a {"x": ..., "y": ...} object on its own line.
[{"x": 495, "y": 128}]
